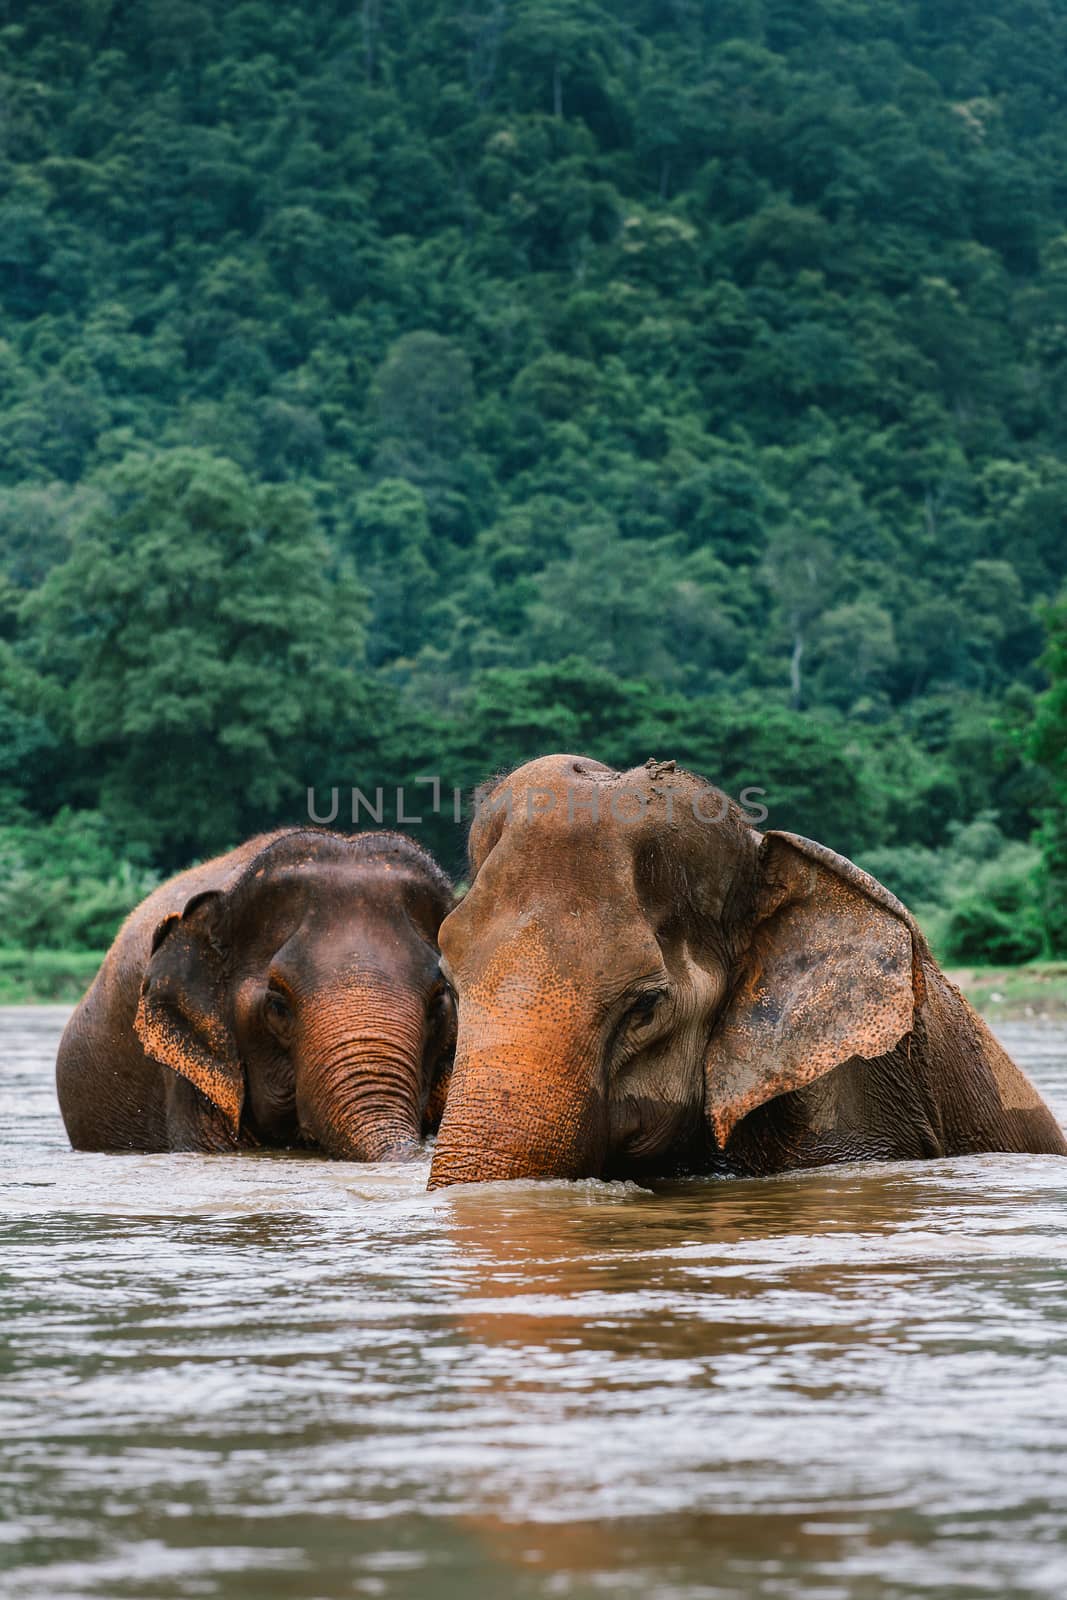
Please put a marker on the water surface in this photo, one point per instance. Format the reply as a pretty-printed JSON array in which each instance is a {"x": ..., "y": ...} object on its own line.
[{"x": 275, "y": 1376}]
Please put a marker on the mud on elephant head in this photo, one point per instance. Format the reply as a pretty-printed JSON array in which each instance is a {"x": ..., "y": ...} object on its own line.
[
  {"x": 286, "y": 993},
  {"x": 304, "y": 1000},
  {"x": 646, "y": 983}
]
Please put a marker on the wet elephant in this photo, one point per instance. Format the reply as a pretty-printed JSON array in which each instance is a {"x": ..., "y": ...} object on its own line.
[
  {"x": 647, "y": 984},
  {"x": 287, "y": 993}
]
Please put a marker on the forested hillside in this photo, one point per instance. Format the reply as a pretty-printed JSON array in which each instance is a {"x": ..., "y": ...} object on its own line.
[{"x": 398, "y": 389}]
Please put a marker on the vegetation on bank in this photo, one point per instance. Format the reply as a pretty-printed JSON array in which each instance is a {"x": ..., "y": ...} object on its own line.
[
  {"x": 412, "y": 390},
  {"x": 1035, "y": 992},
  {"x": 58, "y": 977}
]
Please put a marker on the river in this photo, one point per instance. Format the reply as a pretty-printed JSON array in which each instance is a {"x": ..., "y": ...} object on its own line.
[{"x": 270, "y": 1376}]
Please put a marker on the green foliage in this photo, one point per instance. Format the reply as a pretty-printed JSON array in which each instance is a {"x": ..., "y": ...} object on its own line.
[
  {"x": 995, "y": 913},
  {"x": 1049, "y": 746},
  {"x": 680, "y": 380},
  {"x": 46, "y": 975},
  {"x": 986, "y": 933},
  {"x": 979, "y": 897},
  {"x": 196, "y": 644},
  {"x": 67, "y": 884},
  {"x": 915, "y": 874}
]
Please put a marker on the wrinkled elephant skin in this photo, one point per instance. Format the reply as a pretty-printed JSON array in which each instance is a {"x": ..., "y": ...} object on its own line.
[
  {"x": 646, "y": 984},
  {"x": 286, "y": 994}
]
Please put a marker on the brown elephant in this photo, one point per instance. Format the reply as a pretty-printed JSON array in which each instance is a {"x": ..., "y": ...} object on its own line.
[
  {"x": 647, "y": 984},
  {"x": 287, "y": 993}
]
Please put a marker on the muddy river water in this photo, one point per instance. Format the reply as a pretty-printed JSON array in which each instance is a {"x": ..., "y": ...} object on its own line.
[{"x": 273, "y": 1376}]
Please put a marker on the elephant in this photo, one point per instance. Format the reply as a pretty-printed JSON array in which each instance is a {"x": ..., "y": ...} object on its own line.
[
  {"x": 285, "y": 994},
  {"x": 648, "y": 985}
]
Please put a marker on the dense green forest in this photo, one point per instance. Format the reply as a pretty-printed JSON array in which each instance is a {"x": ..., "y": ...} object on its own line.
[{"x": 403, "y": 389}]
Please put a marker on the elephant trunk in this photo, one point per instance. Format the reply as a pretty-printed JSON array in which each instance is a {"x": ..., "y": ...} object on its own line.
[
  {"x": 521, "y": 1104},
  {"x": 359, "y": 1090}
]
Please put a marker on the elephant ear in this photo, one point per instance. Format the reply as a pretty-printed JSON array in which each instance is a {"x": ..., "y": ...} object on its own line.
[
  {"x": 182, "y": 1018},
  {"x": 833, "y": 971}
]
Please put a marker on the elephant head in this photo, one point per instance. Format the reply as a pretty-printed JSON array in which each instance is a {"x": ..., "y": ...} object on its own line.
[
  {"x": 637, "y": 969},
  {"x": 304, "y": 998}
]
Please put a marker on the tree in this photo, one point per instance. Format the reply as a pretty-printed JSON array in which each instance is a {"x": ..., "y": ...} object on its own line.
[
  {"x": 1049, "y": 746},
  {"x": 562, "y": 52},
  {"x": 721, "y": 348},
  {"x": 391, "y": 532},
  {"x": 422, "y": 396},
  {"x": 196, "y": 646},
  {"x": 637, "y": 603},
  {"x": 800, "y": 573},
  {"x": 856, "y": 650}
]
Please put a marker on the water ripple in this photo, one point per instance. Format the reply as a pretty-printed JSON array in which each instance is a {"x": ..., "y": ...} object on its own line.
[{"x": 273, "y": 1376}]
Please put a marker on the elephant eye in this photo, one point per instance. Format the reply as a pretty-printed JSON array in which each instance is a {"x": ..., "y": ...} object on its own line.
[
  {"x": 644, "y": 1007},
  {"x": 276, "y": 1006},
  {"x": 443, "y": 997}
]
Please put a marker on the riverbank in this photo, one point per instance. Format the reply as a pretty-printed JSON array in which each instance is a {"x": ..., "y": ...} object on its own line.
[
  {"x": 1012, "y": 994},
  {"x": 35, "y": 977}
]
